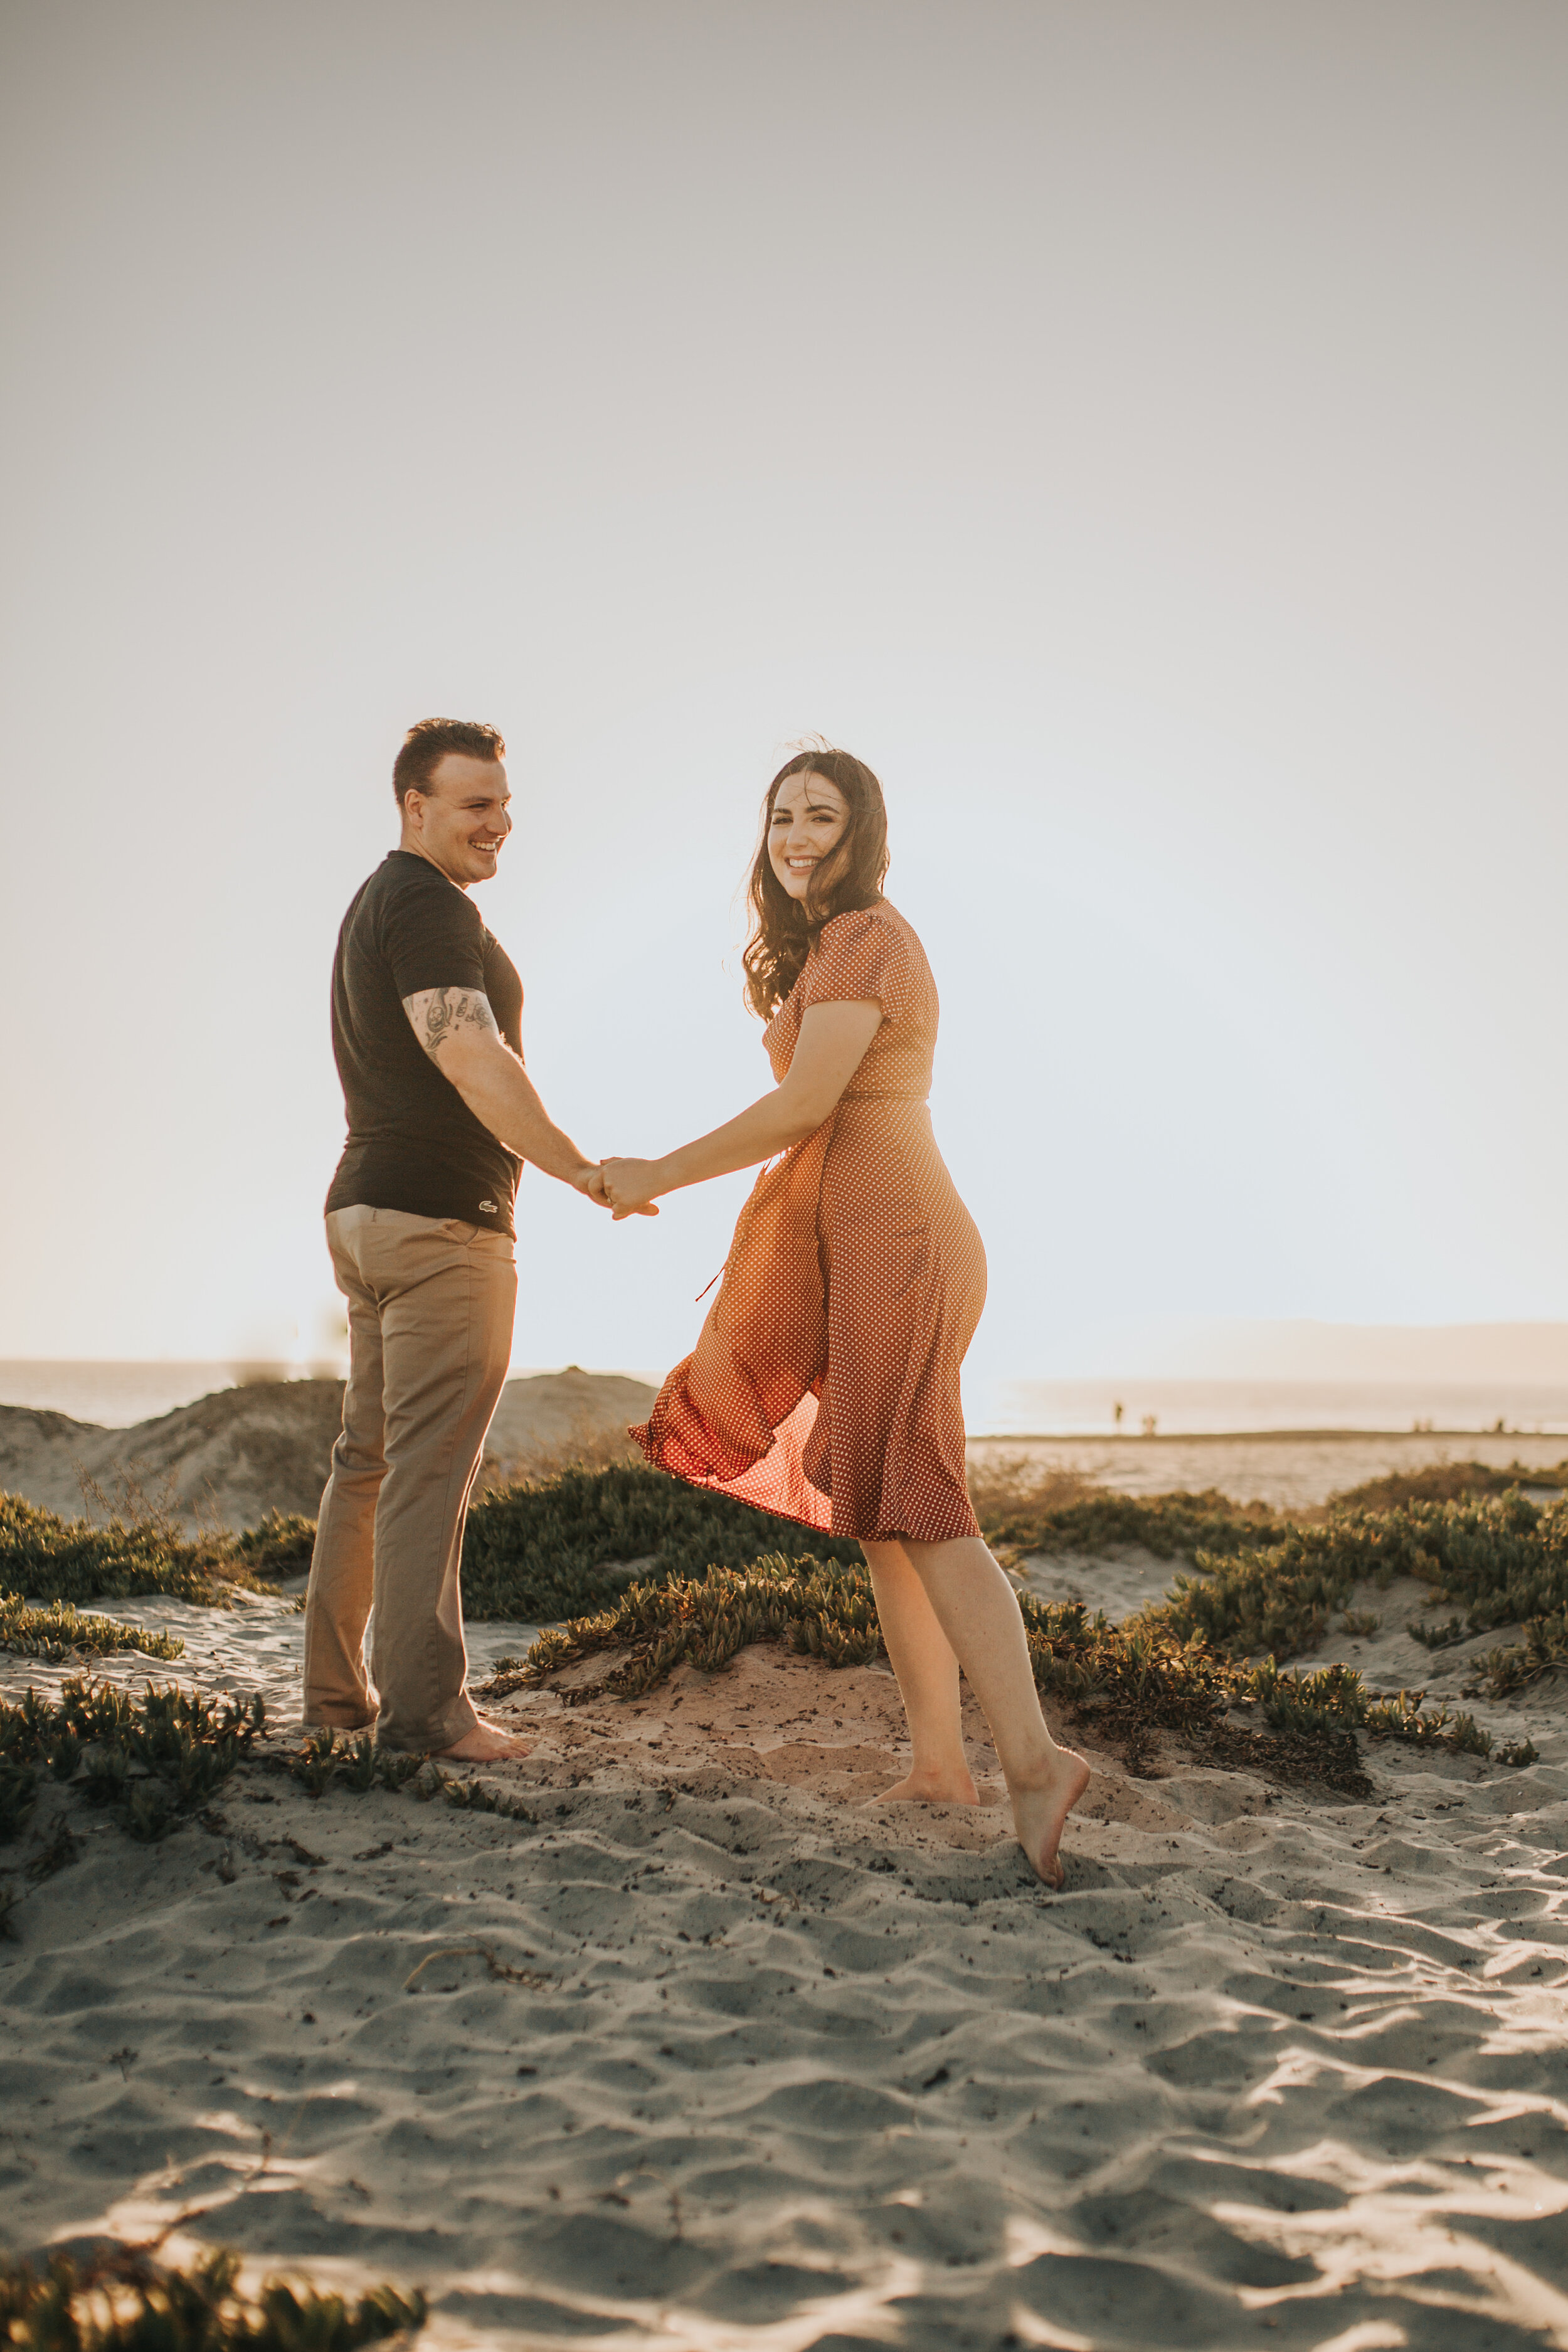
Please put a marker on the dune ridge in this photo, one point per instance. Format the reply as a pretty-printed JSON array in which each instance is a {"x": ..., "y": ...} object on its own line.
[{"x": 225, "y": 1461}]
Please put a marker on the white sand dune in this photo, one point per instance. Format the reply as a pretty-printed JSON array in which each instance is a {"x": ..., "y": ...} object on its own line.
[
  {"x": 708, "y": 2056},
  {"x": 230, "y": 1458}
]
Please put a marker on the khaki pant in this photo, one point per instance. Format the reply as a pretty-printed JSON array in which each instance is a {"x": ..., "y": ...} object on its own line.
[{"x": 430, "y": 1314}]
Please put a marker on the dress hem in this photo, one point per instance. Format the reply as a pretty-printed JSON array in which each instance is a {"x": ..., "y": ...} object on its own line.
[{"x": 639, "y": 1431}]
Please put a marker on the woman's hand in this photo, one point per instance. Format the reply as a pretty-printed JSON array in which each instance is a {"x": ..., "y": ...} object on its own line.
[
  {"x": 630, "y": 1185},
  {"x": 832, "y": 1046}
]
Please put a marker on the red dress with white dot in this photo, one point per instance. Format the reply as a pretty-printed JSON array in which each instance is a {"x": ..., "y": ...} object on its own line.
[{"x": 824, "y": 1382}]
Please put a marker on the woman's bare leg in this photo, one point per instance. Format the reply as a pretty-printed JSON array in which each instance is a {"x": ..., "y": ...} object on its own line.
[
  {"x": 927, "y": 1673},
  {"x": 978, "y": 1611}
]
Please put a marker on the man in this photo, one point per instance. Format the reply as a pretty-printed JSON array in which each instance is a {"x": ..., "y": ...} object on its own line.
[{"x": 426, "y": 1010}]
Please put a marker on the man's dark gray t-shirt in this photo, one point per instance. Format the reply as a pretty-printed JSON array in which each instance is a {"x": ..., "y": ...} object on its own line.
[{"x": 414, "y": 1143}]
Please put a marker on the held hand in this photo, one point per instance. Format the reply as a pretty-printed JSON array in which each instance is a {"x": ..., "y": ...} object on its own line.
[
  {"x": 630, "y": 1187},
  {"x": 590, "y": 1181}
]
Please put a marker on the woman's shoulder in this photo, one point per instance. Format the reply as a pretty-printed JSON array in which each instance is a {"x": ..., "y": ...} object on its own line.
[
  {"x": 870, "y": 951},
  {"x": 881, "y": 918}
]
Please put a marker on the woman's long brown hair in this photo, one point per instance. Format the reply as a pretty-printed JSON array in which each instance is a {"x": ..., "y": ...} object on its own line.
[{"x": 783, "y": 927}]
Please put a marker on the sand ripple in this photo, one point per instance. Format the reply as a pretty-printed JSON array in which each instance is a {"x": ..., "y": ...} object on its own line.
[{"x": 708, "y": 2058}]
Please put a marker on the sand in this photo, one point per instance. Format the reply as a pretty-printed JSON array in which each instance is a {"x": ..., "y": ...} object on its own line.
[
  {"x": 709, "y": 2056},
  {"x": 1293, "y": 1469}
]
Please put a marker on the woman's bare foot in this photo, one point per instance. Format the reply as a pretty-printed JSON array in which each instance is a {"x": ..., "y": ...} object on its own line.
[
  {"x": 485, "y": 1744},
  {"x": 955, "y": 1787},
  {"x": 1040, "y": 1811}
]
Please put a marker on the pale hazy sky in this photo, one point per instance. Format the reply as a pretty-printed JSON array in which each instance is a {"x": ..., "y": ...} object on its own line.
[{"x": 1135, "y": 429}]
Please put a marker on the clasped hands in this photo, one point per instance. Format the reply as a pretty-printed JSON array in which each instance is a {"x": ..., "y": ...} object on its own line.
[{"x": 625, "y": 1187}]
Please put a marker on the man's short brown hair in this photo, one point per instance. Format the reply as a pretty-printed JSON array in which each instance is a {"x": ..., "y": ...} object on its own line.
[{"x": 427, "y": 744}]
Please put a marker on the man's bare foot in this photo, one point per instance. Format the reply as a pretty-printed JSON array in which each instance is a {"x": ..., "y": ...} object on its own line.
[
  {"x": 485, "y": 1744},
  {"x": 1040, "y": 1811},
  {"x": 930, "y": 1789}
]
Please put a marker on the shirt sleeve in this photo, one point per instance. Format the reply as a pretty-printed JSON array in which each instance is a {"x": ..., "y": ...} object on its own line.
[
  {"x": 434, "y": 939},
  {"x": 861, "y": 959}
]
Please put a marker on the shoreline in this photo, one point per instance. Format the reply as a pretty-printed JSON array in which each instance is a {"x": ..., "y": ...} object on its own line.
[{"x": 1354, "y": 1435}]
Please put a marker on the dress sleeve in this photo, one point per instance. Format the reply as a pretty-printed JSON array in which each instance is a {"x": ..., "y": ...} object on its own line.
[
  {"x": 434, "y": 939},
  {"x": 861, "y": 959}
]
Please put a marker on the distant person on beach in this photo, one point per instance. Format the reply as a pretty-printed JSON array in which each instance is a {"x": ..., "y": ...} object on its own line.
[
  {"x": 426, "y": 1010},
  {"x": 825, "y": 1383}
]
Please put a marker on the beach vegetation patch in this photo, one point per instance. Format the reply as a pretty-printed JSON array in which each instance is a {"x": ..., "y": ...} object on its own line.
[
  {"x": 60, "y": 1630},
  {"x": 349, "y": 1760},
  {"x": 152, "y": 1757},
  {"x": 1504, "y": 1559},
  {"x": 278, "y": 1547},
  {"x": 550, "y": 1547},
  {"x": 817, "y": 1608},
  {"x": 334, "y": 1759},
  {"x": 354, "y": 1761},
  {"x": 122, "y": 2299},
  {"x": 1143, "y": 1673},
  {"x": 1103, "y": 1520},
  {"x": 1140, "y": 1672},
  {"x": 1130, "y": 1680},
  {"x": 1436, "y": 1637},
  {"x": 45, "y": 1558},
  {"x": 1542, "y": 1652},
  {"x": 1335, "y": 1699},
  {"x": 1443, "y": 1482}
]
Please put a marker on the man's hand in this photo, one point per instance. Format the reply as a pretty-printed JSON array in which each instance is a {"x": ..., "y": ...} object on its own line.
[
  {"x": 590, "y": 1180},
  {"x": 630, "y": 1185}
]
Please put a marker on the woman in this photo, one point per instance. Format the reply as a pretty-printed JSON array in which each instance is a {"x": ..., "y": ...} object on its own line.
[{"x": 824, "y": 1384}]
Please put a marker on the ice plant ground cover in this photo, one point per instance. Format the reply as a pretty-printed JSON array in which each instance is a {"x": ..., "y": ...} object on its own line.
[{"x": 651, "y": 1574}]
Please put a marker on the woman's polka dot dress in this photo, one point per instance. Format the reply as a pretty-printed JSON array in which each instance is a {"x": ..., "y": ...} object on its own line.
[{"x": 824, "y": 1382}]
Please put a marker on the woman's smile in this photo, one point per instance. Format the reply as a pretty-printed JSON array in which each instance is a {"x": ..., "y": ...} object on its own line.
[{"x": 806, "y": 826}]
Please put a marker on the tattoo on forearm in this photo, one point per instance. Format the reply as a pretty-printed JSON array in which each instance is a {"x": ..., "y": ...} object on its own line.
[{"x": 438, "y": 1014}]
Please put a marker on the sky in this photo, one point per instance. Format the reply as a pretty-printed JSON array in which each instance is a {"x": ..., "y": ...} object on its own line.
[{"x": 1135, "y": 430}]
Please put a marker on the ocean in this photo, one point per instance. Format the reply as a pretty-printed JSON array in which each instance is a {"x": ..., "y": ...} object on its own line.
[{"x": 117, "y": 1394}]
